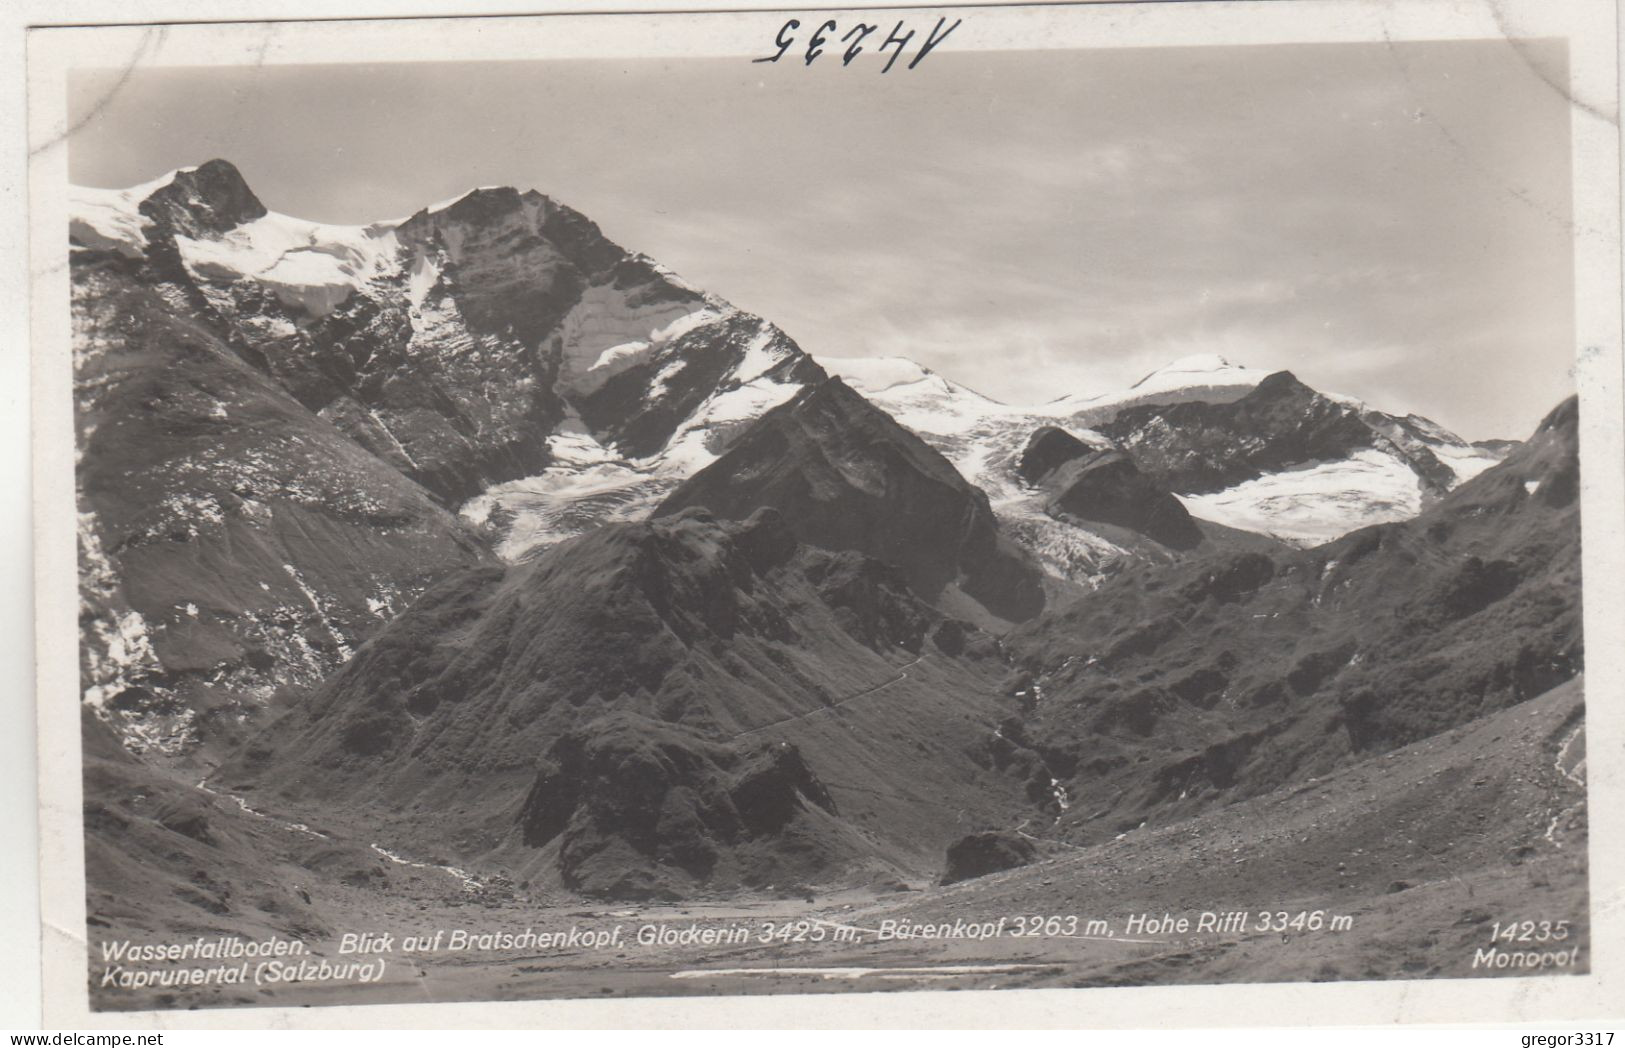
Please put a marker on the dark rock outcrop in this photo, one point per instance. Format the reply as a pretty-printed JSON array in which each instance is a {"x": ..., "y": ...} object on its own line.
[
  {"x": 1195, "y": 446},
  {"x": 232, "y": 543},
  {"x": 1107, "y": 487},
  {"x": 644, "y": 809},
  {"x": 980, "y": 854},
  {"x": 1049, "y": 448},
  {"x": 206, "y": 201}
]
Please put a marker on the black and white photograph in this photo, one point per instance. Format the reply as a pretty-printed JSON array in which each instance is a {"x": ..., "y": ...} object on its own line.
[{"x": 878, "y": 504}]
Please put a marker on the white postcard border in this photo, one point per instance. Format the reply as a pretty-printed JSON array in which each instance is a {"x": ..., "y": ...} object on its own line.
[{"x": 1591, "y": 30}]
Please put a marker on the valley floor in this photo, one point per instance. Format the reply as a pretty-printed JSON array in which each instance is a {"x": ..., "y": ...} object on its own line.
[{"x": 1410, "y": 865}]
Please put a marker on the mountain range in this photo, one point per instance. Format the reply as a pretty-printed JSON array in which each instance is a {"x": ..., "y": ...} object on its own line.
[
  {"x": 475, "y": 533},
  {"x": 280, "y": 420}
]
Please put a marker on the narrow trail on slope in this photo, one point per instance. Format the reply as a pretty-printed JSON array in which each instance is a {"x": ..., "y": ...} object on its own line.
[
  {"x": 469, "y": 882},
  {"x": 1020, "y": 830},
  {"x": 296, "y": 827},
  {"x": 1575, "y": 776},
  {"x": 902, "y": 675}
]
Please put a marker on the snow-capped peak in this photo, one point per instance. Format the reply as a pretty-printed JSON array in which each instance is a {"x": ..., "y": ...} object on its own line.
[
  {"x": 1196, "y": 365},
  {"x": 893, "y": 380},
  {"x": 916, "y": 396},
  {"x": 111, "y": 218},
  {"x": 441, "y": 205},
  {"x": 312, "y": 264},
  {"x": 1203, "y": 376},
  {"x": 876, "y": 374}
]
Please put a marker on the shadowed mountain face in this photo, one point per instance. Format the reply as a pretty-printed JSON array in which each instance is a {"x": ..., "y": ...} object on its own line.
[
  {"x": 1107, "y": 487},
  {"x": 1175, "y": 688},
  {"x": 1048, "y": 449},
  {"x": 1103, "y": 486},
  {"x": 637, "y": 808},
  {"x": 655, "y": 707},
  {"x": 847, "y": 477}
]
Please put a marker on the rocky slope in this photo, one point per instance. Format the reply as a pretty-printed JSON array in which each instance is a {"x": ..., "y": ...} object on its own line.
[
  {"x": 1171, "y": 689},
  {"x": 279, "y": 418},
  {"x": 234, "y": 546},
  {"x": 163, "y": 856},
  {"x": 1421, "y": 850},
  {"x": 654, "y": 709}
]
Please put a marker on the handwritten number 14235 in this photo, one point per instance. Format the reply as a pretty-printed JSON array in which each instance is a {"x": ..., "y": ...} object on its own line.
[{"x": 854, "y": 39}]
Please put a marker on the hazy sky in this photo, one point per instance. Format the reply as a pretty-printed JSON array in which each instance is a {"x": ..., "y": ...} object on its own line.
[{"x": 1389, "y": 221}]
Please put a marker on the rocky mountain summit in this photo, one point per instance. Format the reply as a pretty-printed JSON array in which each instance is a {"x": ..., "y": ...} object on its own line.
[{"x": 280, "y": 419}]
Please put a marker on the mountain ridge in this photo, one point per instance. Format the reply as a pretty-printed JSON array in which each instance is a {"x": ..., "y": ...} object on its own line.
[
  {"x": 1304, "y": 500},
  {"x": 500, "y": 358}
]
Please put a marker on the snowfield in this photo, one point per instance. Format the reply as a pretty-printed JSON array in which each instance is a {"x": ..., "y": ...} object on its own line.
[
  {"x": 1465, "y": 460},
  {"x": 111, "y": 218},
  {"x": 923, "y": 400},
  {"x": 590, "y": 484},
  {"x": 1316, "y": 503},
  {"x": 1204, "y": 376},
  {"x": 309, "y": 264}
]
